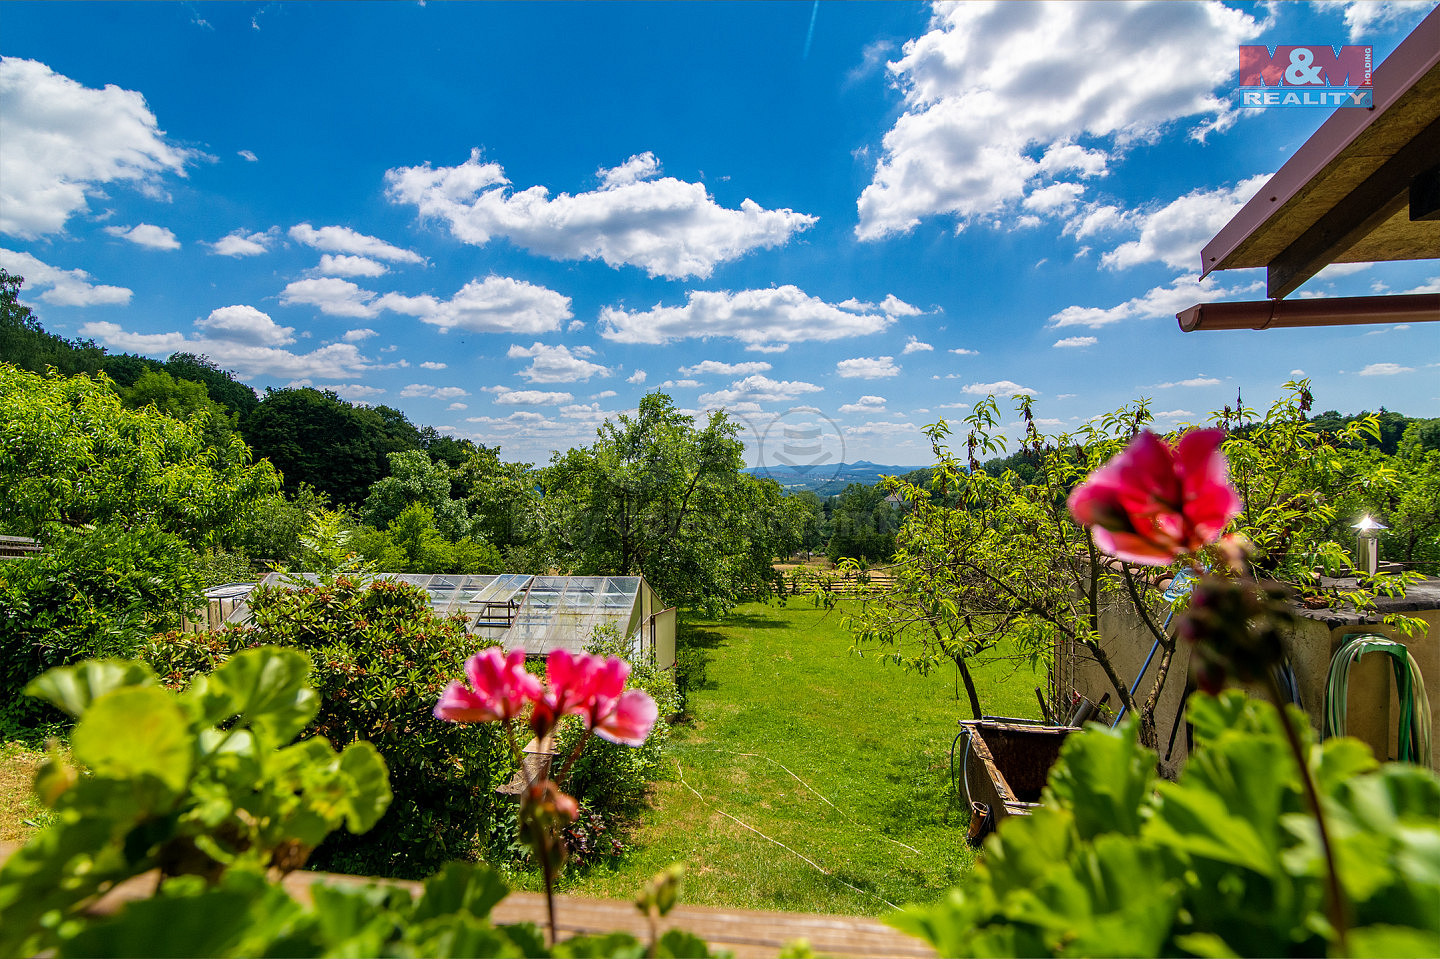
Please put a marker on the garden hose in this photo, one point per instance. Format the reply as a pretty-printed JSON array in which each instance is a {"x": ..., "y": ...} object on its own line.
[{"x": 1414, "y": 727}]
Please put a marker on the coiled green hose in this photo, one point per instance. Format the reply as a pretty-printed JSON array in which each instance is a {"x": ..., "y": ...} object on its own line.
[{"x": 1414, "y": 732}]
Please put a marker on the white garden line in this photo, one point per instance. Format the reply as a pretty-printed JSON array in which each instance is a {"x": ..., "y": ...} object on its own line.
[{"x": 777, "y": 842}]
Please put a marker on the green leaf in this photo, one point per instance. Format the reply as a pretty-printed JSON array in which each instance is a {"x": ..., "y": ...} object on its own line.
[
  {"x": 357, "y": 920},
  {"x": 369, "y": 795},
  {"x": 1104, "y": 778},
  {"x": 1384, "y": 942},
  {"x": 266, "y": 687},
  {"x": 134, "y": 732},
  {"x": 1206, "y": 945},
  {"x": 74, "y": 688},
  {"x": 460, "y": 887},
  {"x": 615, "y": 945},
  {"x": 215, "y": 922},
  {"x": 683, "y": 945}
]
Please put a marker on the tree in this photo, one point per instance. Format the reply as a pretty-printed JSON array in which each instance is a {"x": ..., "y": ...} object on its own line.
[
  {"x": 182, "y": 400},
  {"x": 413, "y": 543},
  {"x": 24, "y": 342},
  {"x": 222, "y": 386},
  {"x": 863, "y": 524},
  {"x": 313, "y": 437},
  {"x": 1010, "y": 561},
  {"x": 656, "y": 496},
  {"x": 415, "y": 478},
  {"x": 503, "y": 500},
  {"x": 70, "y": 453}
]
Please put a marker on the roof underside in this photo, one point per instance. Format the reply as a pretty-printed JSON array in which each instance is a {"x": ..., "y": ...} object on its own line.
[{"x": 1345, "y": 196}]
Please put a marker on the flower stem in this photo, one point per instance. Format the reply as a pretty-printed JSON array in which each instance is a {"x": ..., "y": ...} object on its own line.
[
  {"x": 1335, "y": 896},
  {"x": 549, "y": 871},
  {"x": 574, "y": 755}
]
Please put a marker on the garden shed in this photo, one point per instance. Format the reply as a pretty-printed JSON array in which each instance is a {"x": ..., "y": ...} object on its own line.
[{"x": 539, "y": 613}]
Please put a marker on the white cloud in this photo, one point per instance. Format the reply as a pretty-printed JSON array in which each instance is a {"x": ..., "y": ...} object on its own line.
[
  {"x": 342, "y": 239},
  {"x": 1076, "y": 341},
  {"x": 643, "y": 166},
  {"x": 457, "y": 406},
  {"x": 913, "y": 345},
  {"x": 680, "y": 385},
  {"x": 357, "y": 336},
  {"x": 1386, "y": 369},
  {"x": 333, "y": 362},
  {"x": 1173, "y": 414},
  {"x": 716, "y": 368},
  {"x": 892, "y": 305},
  {"x": 1001, "y": 389},
  {"x": 575, "y": 326},
  {"x": 666, "y": 226},
  {"x": 604, "y": 395},
  {"x": 355, "y": 391},
  {"x": 496, "y": 304},
  {"x": 1367, "y": 17},
  {"x": 240, "y": 244},
  {"x": 759, "y": 389},
  {"x": 636, "y": 378},
  {"x": 961, "y": 351},
  {"x": 344, "y": 264},
  {"x": 432, "y": 365},
  {"x": 433, "y": 392},
  {"x": 868, "y": 367},
  {"x": 1176, "y": 233},
  {"x": 245, "y": 325},
  {"x": 504, "y": 396},
  {"x": 865, "y": 404},
  {"x": 764, "y": 319},
  {"x": 332, "y": 296},
  {"x": 1161, "y": 301},
  {"x": 1297, "y": 372},
  {"x": 999, "y": 96},
  {"x": 62, "y": 141},
  {"x": 146, "y": 235},
  {"x": 1056, "y": 198},
  {"x": 247, "y": 155},
  {"x": 557, "y": 364},
  {"x": 62, "y": 287},
  {"x": 1201, "y": 380}
]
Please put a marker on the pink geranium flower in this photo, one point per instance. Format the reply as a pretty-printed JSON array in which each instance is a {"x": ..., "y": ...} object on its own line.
[
  {"x": 499, "y": 689},
  {"x": 1154, "y": 503},
  {"x": 594, "y": 689}
]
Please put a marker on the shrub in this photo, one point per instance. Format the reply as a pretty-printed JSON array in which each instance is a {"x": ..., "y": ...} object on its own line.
[
  {"x": 381, "y": 660},
  {"x": 92, "y": 593}
]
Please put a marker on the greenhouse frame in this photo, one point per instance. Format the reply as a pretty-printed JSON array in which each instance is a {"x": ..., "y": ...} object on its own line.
[{"x": 534, "y": 613}]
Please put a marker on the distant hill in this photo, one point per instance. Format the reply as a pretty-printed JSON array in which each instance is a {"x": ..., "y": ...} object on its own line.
[{"x": 827, "y": 480}]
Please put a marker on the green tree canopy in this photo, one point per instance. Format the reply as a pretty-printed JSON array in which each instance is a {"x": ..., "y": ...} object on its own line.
[
  {"x": 656, "y": 496},
  {"x": 70, "y": 453},
  {"x": 313, "y": 436},
  {"x": 416, "y": 479}
]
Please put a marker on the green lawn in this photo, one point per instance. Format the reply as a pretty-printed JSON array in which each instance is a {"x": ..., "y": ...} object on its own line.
[{"x": 839, "y": 759}]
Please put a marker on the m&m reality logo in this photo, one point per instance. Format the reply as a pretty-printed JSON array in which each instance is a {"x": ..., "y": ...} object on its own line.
[{"x": 1310, "y": 76}]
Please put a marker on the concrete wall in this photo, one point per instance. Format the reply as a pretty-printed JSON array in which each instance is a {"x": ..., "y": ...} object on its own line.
[{"x": 1373, "y": 704}]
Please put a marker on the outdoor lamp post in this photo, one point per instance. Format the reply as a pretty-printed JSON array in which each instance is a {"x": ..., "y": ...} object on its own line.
[{"x": 1367, "y": 544}]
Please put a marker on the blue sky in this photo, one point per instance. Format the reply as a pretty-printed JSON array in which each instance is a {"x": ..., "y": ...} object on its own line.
[{"x": 511, "y": 221}]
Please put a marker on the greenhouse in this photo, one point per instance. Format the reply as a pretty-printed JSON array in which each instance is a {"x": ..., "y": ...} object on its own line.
[{"x": 536, "y": 613}]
